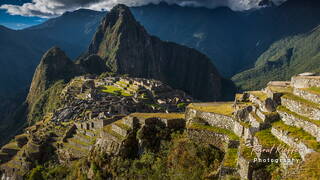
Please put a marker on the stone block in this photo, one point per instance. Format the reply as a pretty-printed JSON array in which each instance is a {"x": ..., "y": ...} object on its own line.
[
  {"x": 216, "y": 120},
  {"x": 305, "y": 81},
  {"x": 301, "y": 108},
  {"x": 307, "y": 95},
  {"x": 300, "y": 146},
  {"x": 294, "y": 120},
  {"x": 119, "y": 130}
]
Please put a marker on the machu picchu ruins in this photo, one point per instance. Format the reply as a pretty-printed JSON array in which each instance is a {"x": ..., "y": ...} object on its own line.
[
  {"x": 258, "y": 128},
  {"x": 131, "y": 105}
]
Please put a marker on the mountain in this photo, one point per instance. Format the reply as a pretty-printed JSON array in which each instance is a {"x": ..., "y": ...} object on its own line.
[
  {"x": 72, "y": 28},
  {"x": 233, "y": 40},
  {"x": 54, "y": 66},
  {"x": 127, "y": 48},
  {"x": 285, "y": 58}
]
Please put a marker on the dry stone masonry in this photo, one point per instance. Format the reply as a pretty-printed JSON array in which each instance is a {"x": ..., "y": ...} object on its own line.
[{"x": 284, "y": 115}]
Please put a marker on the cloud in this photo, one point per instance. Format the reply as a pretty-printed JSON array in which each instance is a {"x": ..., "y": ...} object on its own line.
[{"x": 52, "y": 8}]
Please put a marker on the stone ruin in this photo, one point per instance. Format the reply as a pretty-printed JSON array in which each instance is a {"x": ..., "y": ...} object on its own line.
[{"x": 284, "y": 114}]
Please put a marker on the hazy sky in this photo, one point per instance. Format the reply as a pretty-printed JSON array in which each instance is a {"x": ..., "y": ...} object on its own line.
[{"x": 16, "y": 13}]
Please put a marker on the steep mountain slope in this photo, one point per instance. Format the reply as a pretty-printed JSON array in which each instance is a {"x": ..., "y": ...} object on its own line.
[
  {"x": 127, "y": 48},
  {"x": 72, "y": 28},
  {"x": 233, "y": 40},
  {"x": 285, "y": 58}
]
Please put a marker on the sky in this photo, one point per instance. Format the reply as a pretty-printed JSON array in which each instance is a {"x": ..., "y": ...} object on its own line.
[{"x": 19, "y": 14}]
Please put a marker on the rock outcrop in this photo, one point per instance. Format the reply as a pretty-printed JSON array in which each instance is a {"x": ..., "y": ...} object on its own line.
[{"x": 127, "y": 48}]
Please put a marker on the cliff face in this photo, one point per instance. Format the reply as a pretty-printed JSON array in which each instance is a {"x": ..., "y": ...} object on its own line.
[
  {"x": 127, "y": 48},
  {"x": 54, "y": 66}
]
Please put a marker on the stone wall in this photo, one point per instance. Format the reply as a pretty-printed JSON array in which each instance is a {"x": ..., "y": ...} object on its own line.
[
  {"x": 305, "y": 81},
  {"x": 238, "y": 129},
  {"x": 294, "y": 143},
  {"x": 301, "y": 108},
  {"x": 216, "y": 120},
  {"x": 306, "y": 95},
  {"x": 309, "y": 127},
  {"x": 218, "y": 140}
]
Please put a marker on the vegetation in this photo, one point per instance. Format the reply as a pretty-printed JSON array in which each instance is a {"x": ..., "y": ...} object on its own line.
[
  {"x": 267, "y": 140},
  {"x": 301, "y": 100},
  {"x": 306, "y": 170},
  {"x": 159, "y": 115},
  {"x": 285, "y": 58},
  {"x": 46, "y": 102},
  {"x": 108, "y": 129},
  {"x": 230, "y": 134},
  {"x": 284, "y": 109},
  {"x": 115, "y": 90},
  {"x": 218, "y": 108},
  {"x": 298, "y": 133},
  {"x": 231, "y": 158},
  {"x": 247, "y": 152},
  {"x": 281, "y": 89},
  {"x": 179, "y": 158},
  {"x": 259, "y": 94},
  {"x": 315, "y": 90}
]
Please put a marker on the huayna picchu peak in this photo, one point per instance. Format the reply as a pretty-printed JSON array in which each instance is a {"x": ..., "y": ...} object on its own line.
[{"x": 127, "y": 48}]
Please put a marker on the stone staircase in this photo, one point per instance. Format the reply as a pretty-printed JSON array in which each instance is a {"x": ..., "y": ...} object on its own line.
[{"x": 80, "y": 143}]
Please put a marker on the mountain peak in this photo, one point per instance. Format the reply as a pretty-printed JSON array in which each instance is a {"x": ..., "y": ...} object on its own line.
[
  {"x": 127, "y": 48},
  {"x": 54, "y": 66}
]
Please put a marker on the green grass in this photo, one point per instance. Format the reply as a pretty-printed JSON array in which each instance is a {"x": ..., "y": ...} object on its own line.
[
  {"x": 301, "y": 100},
  {"x": 12, "y": 145},
  {"x": 256, "y": 117},
  {"x": 231, "y": 158},
  {"x": 267, "y": 140},
  {"x": 122, "y": 125},
  {"x": 108, "y": 129},
  {"x": 217, "y": 108},
  {"x": 69, "y": 146},
  {"x": 298, "y": 133},
  {"x": 159, "y": 115},
  {"x": 230, "y": 134},
  {"x": 315, "y": 90},
  {"x": 114, "y": 90},
  {"x": 247, "y": 152},
  {"x": 284, "y": 109},
  {"x": 261, "y": 95},
  {"x": 280, "y": 89},
  {"x": 245, "y": 124},
  {"x": 80, "y": 142}
]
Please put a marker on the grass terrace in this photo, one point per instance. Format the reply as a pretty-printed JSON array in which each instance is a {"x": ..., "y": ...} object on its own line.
[
  {"x": 159, "y": 115},
  {"x": 256, "y": 117},
  {"x": 261, "y": 95},
  {"x": 267, "y": 139},
  {"x": 247, "y": 152},
  {"x": 108, "y": 129},
  {"x": 301, "y": 100},
  {"x": 314, "y": 90},
  {"x": 13, "y": 145},
  {"x": 279, "y": 89},
  {"x": 122, "y": 125},
  {"x": 231, "y": 158},
  {"x": 298, "y": 133},
  {"x": 284, "y": 109},
  {"x": 115, "y": 90},
  {"x": 230, "y": 134},
  {"x": 224, "y": 108}
]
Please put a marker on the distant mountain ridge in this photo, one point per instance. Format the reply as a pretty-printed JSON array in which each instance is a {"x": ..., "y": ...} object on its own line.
[{"x": 232, "y": 40}]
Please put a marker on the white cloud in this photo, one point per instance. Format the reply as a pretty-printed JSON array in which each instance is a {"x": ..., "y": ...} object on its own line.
[{"x": 51, "y": 8}]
